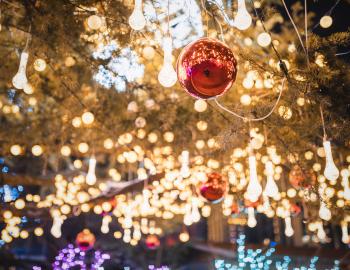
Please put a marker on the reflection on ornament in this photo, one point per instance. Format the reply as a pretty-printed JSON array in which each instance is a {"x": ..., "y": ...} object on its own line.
[
  {"x": 85, "y": 240},
  {"x": 20, "y": 79},
  {"x": 137, "y": 20},
  {"x": 214, "y": 188},
  {"x": 331, "y": 172},
  {"x": 243, "y": 19},
  {"x": 206, "y": 68},
  {"x": 167, "y": 75}
]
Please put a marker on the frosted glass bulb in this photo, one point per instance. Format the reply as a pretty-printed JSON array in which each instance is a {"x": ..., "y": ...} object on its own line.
[
  {"x": 321, "y": 234},
  {"x": 20, "y": 79},
  {"x": 345, "y": 234},
  {"x": 137, "y": 20},
  {"x": 243, "y": 19},
  {"x": 127, "y": 222},
  {"x": 254, "y": 188},
  {"x": 331, "y": 172},
  {"x": 105, "y": 224},
  {"x": 167, "y": 75},
  {"x": 56, "y": 227},
  {"x": 91, "y": 176},
  {"x": 289, "y": 229},
  {"x": 345, "y": 175},
  {"x": 251, "y": 218},
  {"x": 324, "y": 212},
  {"x": 271, "y": 188},
  {"x": 185, "y": 170},
  {"x": 195, "y": 215}
]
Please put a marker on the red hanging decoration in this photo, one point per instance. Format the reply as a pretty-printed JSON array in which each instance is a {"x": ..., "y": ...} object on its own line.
[
  {"x": 152, "y": 242},
  {"x": 206, "y": 68},
  {"x": 299, "y": 177},
  {"x": 214, "y": 188},
  {"x": 85, "y": 240}
]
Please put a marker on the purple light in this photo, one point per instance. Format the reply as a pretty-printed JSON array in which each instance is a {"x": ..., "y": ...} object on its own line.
[
  {"x": 71, "y": 256},
  {"x": 163, "y": 267}
]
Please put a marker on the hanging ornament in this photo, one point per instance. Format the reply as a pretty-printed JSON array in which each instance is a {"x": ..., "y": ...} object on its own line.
[
  {"x": 152, "y": 242},
  {"x": 206, "y": 68},
  {"x": 345, "y": 182},
  {"x": 331, "y": 172},
  {"x": 345, "y": 234},
  {"x": 85, "y": 240},
  {"x": 251, "y": 217},
  {"x": 214, "y": 188},
  {"x": 299, "y": 177},
  {"x": 271, "y": 188},
  {"x": 20, "y": 79},
  {"x": 324, "y": 212},
  {"x": 91, "y": 176},
  {"x": 254, "y": 188},
  {"x": 288, "y": 226},
  {"x": 243, "y": 19}
]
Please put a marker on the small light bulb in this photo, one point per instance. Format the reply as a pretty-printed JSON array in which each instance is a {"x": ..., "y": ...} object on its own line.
[
  {"x": 94, "y": 22},
  {"x": 289, "y": 229},
  {"x": 20, "y": 79},
  {"x": 56, "y": 227},
  {"x": 87, "y": 118},
  {"x": 243, "y": 19},
  {"x": 254, "y": 188},
  {"x": 137, "y": 20},
  {"x": 345, "y": 234},
  {"x": 331, "y": 172},
  {"x": 345, "y": 175},
  {"x": 264, "y": 39},
  {"x": 326, "y": 21},
  {"x": 251, "y": 218},
  {"x": 91, "y": 176},
  {"x": 321, "y": 234},
  {"x": 324, "y": 212},
  {"x": 271, "y": 188},
  {"x": 167, "y": 75}
]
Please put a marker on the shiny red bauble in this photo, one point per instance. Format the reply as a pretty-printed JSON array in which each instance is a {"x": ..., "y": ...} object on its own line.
[
  {"x": 152, "y": 242},
  {"x": 214, "y": 188},
  {"x": 85, "y": 240},
  {"x": 299, "y": 177},
  {"x": 206, "y": 68}
]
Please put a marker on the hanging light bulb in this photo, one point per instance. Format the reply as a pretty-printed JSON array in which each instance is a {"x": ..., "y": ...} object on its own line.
[
  {"x": 345, "y": 234},
  {"x": 185, "y": 160},
  {"x": 105, "y": 224},
  {"x": 251, "y": 218},
  {"x": 167, "y": 75},
  {"x": 91, "y": 176},
  {"x": 289, "y": 229},
  {"x": 188, "y": 217},
  {"x": 271, "y": 188},
  {"x": 137, "y": 21},
  {"x": 20, "y": 79},
  {"x": 321, "y": 234},
  {"x": 243, "y": 19},
  {"x": 145, "y": 206},
  {"x": 331, "y": 172},
  {"x": 56, "y": 227},
  {"x": 254, "y": 188},
  {"x": 345, "y": 175},
  {"x": 195, "y": 215},
  {"x": 324, "y": 212}
]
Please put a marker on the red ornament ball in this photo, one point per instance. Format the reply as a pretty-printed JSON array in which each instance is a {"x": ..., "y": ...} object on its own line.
[
  {"x": 214, "y": 188},
  {"x": 152, "y": 242},
  {"x": 206, "y": 68},
  {"x": 299, "y": 177},
  {"x": 85, "y": 240}
]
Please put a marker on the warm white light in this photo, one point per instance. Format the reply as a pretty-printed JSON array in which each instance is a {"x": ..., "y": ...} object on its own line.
[
  {"x": 200, "y": 105},
  {"x": 137, "y": 20},
  {"x": 184, "y": 237},
  {"x": 16, "y": 150},
  {"x": 185, "y": 170},
  {"x": 87, "y": 118},
  {"x": 91, "y": 176},
  {"x": 324, "y": 212},
  {"x": 167, "y": 75},
  {"x": 331, "y": 172},
  {"x": 321, "y": 234},
  {"x": 56, "y": 227},
  {"x": 345, "y": 182},
  {"x": 39, "y": 64},
  {"x": 326, "y": 21},
  {"x": 289, "y": 229},
  {"x": 94, "y": 22},
  {"x": 345, "y": 234},
  {"x": 28, "y": 89},
  {"x": 20, "y": 79},
  {"x": 37, "y": 150},
  {"x": 271, "y": 188},
  {"x": 105, "y": 224},
  {"x": 254, "y": 188},
  {"x": 264, "y": 39},
  {"x": 243, "y": 19},
  {"x": 251, "y": 218}
]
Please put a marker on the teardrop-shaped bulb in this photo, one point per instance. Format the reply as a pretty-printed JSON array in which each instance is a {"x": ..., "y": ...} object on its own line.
[
  {"x": 167, "y": 75},
  {"x": 271, "y": 188},
  {"x": 91, "y": 176},
  {"x": 20, "y": 79},
  {"x": 321, "y": 234},
  {"x": 324, "y": 212},
  {"x": 345, "y": 234},
  {"x": 289, "y": 229},
  {"x": 137, "y": 20},
  {"x": 254, "y": 188},
  {"x": 345, "y": 182},
  {"x": 243, "y": 19},
  {"x": 251, "y": 218},
  {"x": 331, "y": 171},
  {"x": 56, "y": 227}
]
